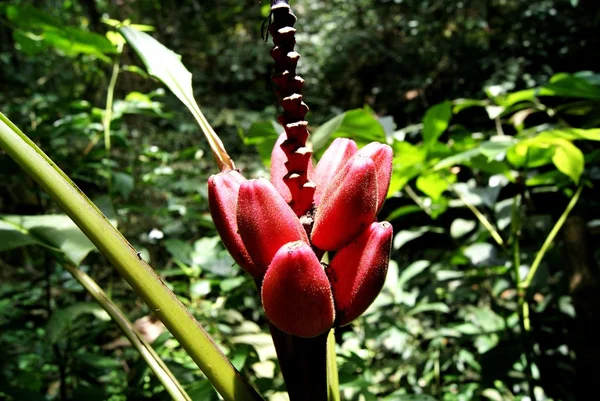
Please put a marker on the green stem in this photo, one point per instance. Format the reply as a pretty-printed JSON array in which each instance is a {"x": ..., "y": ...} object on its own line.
[
  {"x": 110, "y": 93},
  {"x": 108, "y": 112},
  {"x": 142, "y": 278},
  {"x": 155, "y": 363},
  {"x": 523, "y": 305},
  {"x": 538, "y": 258},
  {"x": 417, "y": 199},
  {"x": 486, "y": 223},
  {"x": 333, "y": 382}
]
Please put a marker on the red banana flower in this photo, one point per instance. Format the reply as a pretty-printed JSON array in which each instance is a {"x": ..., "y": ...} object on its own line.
[{"x": 265, "y": 230}]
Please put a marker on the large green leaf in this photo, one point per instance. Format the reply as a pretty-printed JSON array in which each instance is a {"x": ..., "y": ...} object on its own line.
[
  {"x": 56, "y": 231},
  {"x": 166, "y": 66},
  {"x": 490, "y": 149},
  {"x": 568, "y": 159},
  {"x": 567, "y": 85},
  {"x": 409, "y": 161},
  {"x": 359, "y": 124},
  {"x": 433, "y": 184},
  {"x": 436, "y": 121},
  {"x": 37, "y": 30},
  {"x": 545, "y": 148}
]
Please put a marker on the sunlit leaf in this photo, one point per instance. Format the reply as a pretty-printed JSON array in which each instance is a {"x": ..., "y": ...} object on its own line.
[
  {"x": 435, "y": 183},
  {"x": 568, "y": 159},
  {"x": 567, "y": 85},
  {"x": 359, "y": 124},
  {"x": 37, "y": 26},
  {"x": 166, "y": 66},
  {"x": 55, "y": 231},
  {"x": 436, "y": 121}
]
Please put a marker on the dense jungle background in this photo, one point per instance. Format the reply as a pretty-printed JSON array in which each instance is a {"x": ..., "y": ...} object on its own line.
[{"x": 492, "y": 108}]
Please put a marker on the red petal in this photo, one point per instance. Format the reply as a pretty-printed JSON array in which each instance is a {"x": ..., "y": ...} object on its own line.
[
  {"x": 223, "y": 191},
  {"x": 296, "y": 293},
  {"x": 357, "y": 272},
  {"x": 334, "y": 158},
  {"x": 265, "y": 221},
  {"x": 348, "y": 205},
  {"x": 382, "y": 156}
]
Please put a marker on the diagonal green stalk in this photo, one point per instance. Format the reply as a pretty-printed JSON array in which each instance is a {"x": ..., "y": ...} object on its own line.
[
  {"x": 162, "y": 372},
  {"x": 110, "y": 93},
  {"x": 142, "y": 278},
  {"x": 523, "y": 305},
  {"x": 550, "y": 238},
  {"x": 333, "y": 382},
  {"x": 486, "y": 223}
]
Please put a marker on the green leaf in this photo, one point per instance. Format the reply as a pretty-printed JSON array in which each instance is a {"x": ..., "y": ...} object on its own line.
[
  {"x": 461, "y": 227},
  {"x": 436, "y": 121},
  {"x": 13, "y": 235},
  {"x": 459, "y": 158},
  {"x": 263, "y": 135},
  {"x": 413, "y": 270},
  {"x": 166, "y": 66},
  {"x": 359, "y": 124},
  {"x": 573, "y": 134},
  {"x": 38, "y": 30},
  {"x": 202, "y": 390},
  {"x": 402, "y": 211},
  {"x": 491, "y": 149},
  {"x": 527, "y": 95},
  {"x": 568, "y": 159},
  {"x": 549, "y": 146},
  {"x": 462, "y": 104},
  {"x": 62, "y": 320},
  {"x": 408, "y": 162},
  {"x": 55, "y": 231},
  {"x": 567, "y": 85},
  {"x": 405, "y": 236},
  {"x": 433, "y": 184}
]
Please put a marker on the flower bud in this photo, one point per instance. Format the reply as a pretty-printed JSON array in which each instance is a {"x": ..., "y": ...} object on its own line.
[
  {"x": 348, "y": 205},
  {"x": 357, "y": 272},
  {"x": 296, "y": 294},
  {"x": 223, "y": 191},
  {"x": 382, "y": 156},
  {"x": 265, "y": 222},
  {"x": 334, "y": 158}
]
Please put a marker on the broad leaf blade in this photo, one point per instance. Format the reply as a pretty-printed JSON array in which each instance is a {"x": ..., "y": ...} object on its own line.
[
  {"x": 359, "y": 124},
  {"x": 436, "y": 121},
  {"x": 166, "y": 65}
]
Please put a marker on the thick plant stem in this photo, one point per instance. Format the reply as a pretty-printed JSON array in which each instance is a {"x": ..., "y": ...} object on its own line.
[
  {"x": 142, "y": 278},
  {"x": 303, "y": 364},
  {"x": 162, "y": 372},
  {"x": 333, "y": 382}
]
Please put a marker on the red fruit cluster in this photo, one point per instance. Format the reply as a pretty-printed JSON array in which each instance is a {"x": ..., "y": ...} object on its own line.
[{"x": 300, "y": 295}]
